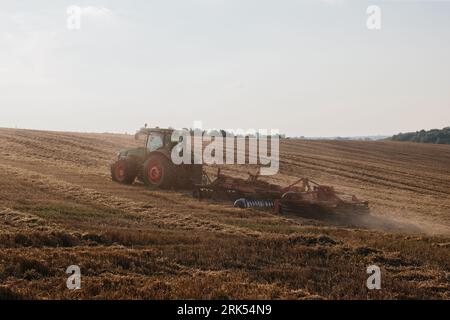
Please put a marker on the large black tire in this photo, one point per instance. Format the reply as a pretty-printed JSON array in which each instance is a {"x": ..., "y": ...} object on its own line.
[
  {"x": 123, "y": 171},
  {"x": 159, "y": 172}
]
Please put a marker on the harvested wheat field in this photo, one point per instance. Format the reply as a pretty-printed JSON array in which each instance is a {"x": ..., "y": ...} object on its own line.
[{"x": 59, "y": 207}]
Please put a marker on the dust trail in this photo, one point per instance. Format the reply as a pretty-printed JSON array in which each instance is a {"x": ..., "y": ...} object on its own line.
[
  {"x": 382, "y": 222},
  {"x": 386, "y": 222}
]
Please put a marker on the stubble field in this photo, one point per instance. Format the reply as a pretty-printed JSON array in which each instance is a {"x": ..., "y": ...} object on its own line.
[{"x": 59, "y": 207}]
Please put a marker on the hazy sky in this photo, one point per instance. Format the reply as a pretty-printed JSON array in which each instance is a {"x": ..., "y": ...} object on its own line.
[{"x": 305, "y": 67}]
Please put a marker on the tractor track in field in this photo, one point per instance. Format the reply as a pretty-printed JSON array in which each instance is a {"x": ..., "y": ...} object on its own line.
[
  {"x": 387, "y": 153},
  {"x": 359, "y": 175},
  {"x": 133, "y": 202},
  {"x": 362, "y": 166}
]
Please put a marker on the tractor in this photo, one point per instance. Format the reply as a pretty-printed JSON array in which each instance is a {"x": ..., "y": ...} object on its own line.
[{"x": 152, "y": 163}]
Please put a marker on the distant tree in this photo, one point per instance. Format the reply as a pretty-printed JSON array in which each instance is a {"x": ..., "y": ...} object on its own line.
[{"x": 431, "y": 136}]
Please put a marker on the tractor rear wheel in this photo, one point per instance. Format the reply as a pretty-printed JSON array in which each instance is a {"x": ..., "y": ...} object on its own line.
[
  {"x": 159, "y": 172},
  {"x": 123, "y": 171}
]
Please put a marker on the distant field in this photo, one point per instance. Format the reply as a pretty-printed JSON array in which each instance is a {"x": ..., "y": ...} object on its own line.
[{"x": 59, "y": 207}]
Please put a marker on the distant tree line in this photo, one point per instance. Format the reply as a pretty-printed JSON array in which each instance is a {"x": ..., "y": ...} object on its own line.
[
  {"x": 438, "y": 136},
  {"x": 225, "y": 133}
]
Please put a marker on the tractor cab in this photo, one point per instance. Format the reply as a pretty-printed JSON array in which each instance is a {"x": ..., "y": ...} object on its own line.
[{"x": 156, "y": 138}]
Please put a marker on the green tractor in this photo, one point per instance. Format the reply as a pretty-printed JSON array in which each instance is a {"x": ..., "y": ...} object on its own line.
[{"x": 152, "y": 163}]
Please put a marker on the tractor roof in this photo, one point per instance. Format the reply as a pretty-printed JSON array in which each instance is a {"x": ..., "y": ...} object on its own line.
[
  {"x": 148, "y": 131},
  {"x": 151, "y": 130}
]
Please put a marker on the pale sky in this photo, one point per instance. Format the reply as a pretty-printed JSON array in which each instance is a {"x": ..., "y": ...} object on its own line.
[{"x": 305, "y": 67}]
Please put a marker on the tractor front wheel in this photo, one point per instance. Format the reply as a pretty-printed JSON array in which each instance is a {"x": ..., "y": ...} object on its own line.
[
  {"x": 123, "y": 171},
  {"x": 159, "y": 172}
]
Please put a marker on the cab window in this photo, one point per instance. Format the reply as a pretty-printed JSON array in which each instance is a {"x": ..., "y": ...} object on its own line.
[{"x": 154, "y": 142}]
